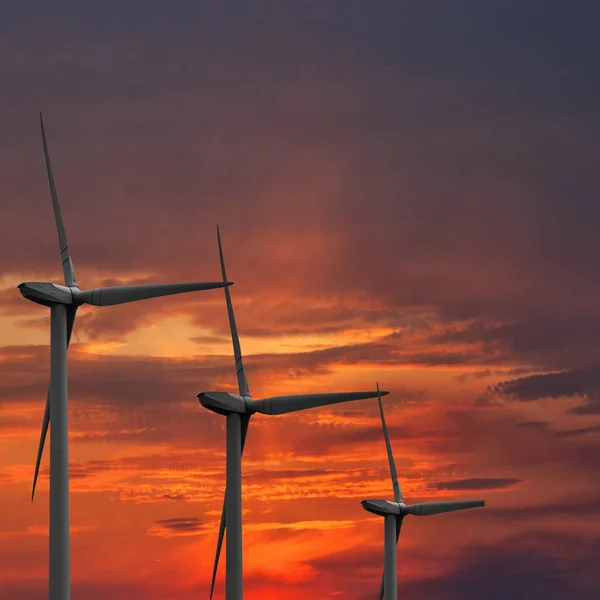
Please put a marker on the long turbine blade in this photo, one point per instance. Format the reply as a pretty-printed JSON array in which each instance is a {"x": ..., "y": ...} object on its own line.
[
  {"x": 71, "y": 310},
  {"x": 397, "y": 490},
  {"x": 237, "y": 351},
  {"x": 38, "y": 459},
  {"x": 219, "y": 546},
  {"x": 243, "y": 390},
  {"x": 222, "y": 525},
  {"x": 280, "y": 405},
  {"x": 399, "y": 520},
  {"x": 67, "y": 263},
  {"x": 110, "y": 296},
  {"x": 426, "y": 509}
]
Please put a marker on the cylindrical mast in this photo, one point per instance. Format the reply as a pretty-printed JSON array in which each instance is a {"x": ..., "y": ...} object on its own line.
[
  {"x": 390, "y": 586},
  {"x": 60, "y": 571},
  {"x": 233, "y": 508}
]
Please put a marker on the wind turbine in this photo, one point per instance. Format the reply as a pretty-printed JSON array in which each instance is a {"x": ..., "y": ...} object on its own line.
[
  {"x": 394, "y": 513},
  {"x": 238, "y": 410},
  {"x": 63, "y": 301}
]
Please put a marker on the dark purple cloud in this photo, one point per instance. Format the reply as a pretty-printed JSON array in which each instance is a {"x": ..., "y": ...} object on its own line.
[
  {"x": 321, "y": 176},
  {"x": 180, "y": 524},
  {"x": 536, "y": 425},
  {"x": 519, "y": 567},
  {"x": 476, "y": 484},
  {"x": 583, "y": 383}
]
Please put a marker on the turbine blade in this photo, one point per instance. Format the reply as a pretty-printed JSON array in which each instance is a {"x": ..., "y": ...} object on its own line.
[
  {"x": 399, "y": 519},
  {"x": 396, "y": 485},
  {"x": 426, "y": 509},
  {"x": 71, "y": 310},
  {"x": 237, "y": 351},
  {"x": 280, "y": 405},
  {"x": 67, "y": 263},
  {"x": 245, "y": 421},
  {"x": 38, "y": 460},
  {"x": 109, "y": 296},
  {"x": 219, "y": 546}
]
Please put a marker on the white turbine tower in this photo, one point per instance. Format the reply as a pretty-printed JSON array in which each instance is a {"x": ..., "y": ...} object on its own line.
[
  {"x": 238, "y": 410},
  {"x": 394, "y": 513},
  {"x": 63, "y": 301}
]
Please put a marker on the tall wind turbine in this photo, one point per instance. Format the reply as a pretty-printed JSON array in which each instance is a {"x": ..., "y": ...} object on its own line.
[
  {"x": 394, "y": 513},
  {"x": 63, "y": 301},
  {"x": 238, "y": 410}
]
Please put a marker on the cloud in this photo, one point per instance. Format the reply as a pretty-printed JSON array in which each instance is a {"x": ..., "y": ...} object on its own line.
[
  {"x": 544, "y": 425},
  {"x": 476, "y": 484},
  {"x": 94, "y": 590},
  {"x": 549, "y": 342},
  {"x": 520, "y": 567},
  {"x": 577, "y": 432},
  {"x": 583, "y": 383},
  {"x": 584, "y": 508},
  {"x": 326, "y": 153},
  {"x": 533, "y": 424},
  {"x": 156, "y": 381},
  {"x": 32, "y": 530},
  {"x": 177, "y": 526},
  {"x": 517, "y": 567},
  {"x": 591, "y": 407}
]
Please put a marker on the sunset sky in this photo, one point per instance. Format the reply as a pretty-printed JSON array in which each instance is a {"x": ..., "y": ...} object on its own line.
[{"x": 407, "y": 193}]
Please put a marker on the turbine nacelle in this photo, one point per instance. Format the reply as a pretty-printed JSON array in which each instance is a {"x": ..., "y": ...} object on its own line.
[
  {"x": 382, "y": 507},
  {"x": 222, "y": 403},
  {"x": 46, "y": 294}
]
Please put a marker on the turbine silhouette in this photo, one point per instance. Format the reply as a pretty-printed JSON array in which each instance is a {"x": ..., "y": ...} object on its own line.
[
  {"x": 394, "y": 513},
  {"x": 63, "y": 301},
  {"x": 238, "y": 410}
]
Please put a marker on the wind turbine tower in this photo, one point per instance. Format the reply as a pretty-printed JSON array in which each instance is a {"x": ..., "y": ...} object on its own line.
[
  {"x": 394, "y": 513},
  {"x": 238, "y": 411},
  {"x": 63, "y": 301}
]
